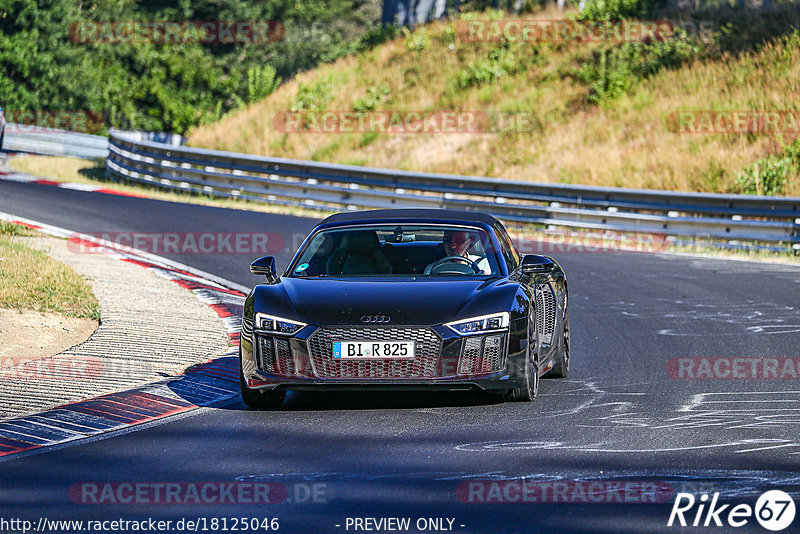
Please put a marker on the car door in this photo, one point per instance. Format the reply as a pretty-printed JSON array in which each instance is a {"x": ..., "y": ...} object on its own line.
[{"x": 546, "y": 291}]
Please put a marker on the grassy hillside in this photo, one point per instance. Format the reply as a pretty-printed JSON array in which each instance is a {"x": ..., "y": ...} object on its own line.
[{"x": 600, "y": 112}]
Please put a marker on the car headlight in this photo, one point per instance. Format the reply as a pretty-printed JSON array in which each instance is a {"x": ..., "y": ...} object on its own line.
[
  {"x": 277, "y": 325},
  {"x": 480, "y": 325}
]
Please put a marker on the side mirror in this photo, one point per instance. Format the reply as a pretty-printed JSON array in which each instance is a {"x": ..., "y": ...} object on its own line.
[
  {"x": 535, "y": 264},
  {"x": 265, "y": 266}
]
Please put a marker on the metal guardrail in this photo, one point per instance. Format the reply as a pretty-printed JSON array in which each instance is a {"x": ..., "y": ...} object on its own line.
[
  {"x": 286, "y": 181},
  {"x": 53, "y": 142},
  {"x": 171, "y": 139}
]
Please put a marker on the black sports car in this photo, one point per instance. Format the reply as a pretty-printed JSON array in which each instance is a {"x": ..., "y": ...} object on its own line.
[{"x": 405, "y": 299}]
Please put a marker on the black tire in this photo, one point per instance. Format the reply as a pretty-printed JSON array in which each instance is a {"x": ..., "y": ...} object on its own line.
[
  {"x": 531, "y": 388},
  {"x": 258, "y": 399},
  {"x": 561, "y": 366}
]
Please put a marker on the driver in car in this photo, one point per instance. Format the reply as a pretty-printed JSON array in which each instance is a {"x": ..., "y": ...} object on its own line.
[{"x": 457, "y": 243}]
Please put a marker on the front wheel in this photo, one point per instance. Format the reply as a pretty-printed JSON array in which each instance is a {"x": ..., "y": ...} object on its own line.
[
  {"x": 531, "y": 388},
  {"x": 255, "y": 398},
  {"x": 561, "y": 366}
]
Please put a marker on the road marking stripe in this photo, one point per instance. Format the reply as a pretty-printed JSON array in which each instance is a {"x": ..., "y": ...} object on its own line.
[
  {"x": 10, "y": 433},
  {"x": 10, "y": 446},
  {"x": 63, "y": 418},
  {"x": 75, "y": 186},
  {"x": 35, "y": 429}
]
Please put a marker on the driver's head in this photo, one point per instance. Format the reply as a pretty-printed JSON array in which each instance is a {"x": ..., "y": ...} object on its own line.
[{"x": 457, "y": 242}]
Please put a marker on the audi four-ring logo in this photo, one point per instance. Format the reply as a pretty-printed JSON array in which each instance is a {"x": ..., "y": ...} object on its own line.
[{"x": 375, "y": 319}]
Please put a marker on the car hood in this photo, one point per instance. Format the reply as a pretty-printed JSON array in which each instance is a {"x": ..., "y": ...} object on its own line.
[{"x": 416, "y": 302}]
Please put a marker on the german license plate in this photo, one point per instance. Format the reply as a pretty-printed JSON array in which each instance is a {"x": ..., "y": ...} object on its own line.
[{"x": 369, "y": 350}]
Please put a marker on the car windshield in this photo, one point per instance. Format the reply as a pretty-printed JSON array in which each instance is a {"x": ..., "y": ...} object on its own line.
[{"x": 398, "y": 250}]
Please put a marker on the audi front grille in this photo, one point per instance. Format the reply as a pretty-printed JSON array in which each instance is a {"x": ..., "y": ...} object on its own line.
[{"x": 424, "y": 364}]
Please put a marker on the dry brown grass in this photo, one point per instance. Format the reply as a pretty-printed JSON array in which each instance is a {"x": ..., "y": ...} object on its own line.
[{"x": 627, "y": 144}]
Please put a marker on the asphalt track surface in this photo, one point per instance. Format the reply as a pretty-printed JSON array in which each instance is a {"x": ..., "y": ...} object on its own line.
[{"x": 620, "y": 416}]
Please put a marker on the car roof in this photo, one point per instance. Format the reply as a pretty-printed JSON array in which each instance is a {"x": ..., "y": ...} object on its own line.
[{"x": 411, "y": 215}]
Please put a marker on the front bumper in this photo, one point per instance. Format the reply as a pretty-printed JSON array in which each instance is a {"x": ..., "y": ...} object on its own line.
[
  {"x": 443, "y": 360},
  {"x": 494, "y": 383}
]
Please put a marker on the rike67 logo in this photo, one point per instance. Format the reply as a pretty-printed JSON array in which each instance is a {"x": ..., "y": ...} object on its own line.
[{"x": 774, "y": 510}]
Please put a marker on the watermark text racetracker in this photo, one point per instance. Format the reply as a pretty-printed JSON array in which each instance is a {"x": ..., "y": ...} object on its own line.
[
  {"x": 267, "y": 243},
  {"x": 405, "y": 122},
  {"x": 251, "y": 243},
  {"x": 203, "y": 493},
  {"x": 776, "y": 122},
  {"x": 561, "y": 242},
  {"x": 734, "y": 368},
  {"x": 177, "y": 32},
  {"x": 580, "y": 31},
  {"x": 61, "y": 367},
  {"x": 523, "y": 491},
  {"x": 52, "y": 121},
  {"x": 67, "y": 367}
]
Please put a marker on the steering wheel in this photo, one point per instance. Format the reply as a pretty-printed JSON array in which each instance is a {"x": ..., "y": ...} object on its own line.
[{"x": 453, "y": 259}]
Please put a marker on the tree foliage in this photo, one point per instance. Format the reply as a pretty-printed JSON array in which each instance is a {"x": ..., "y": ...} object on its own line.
[{"x": 163, "y": 86}]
